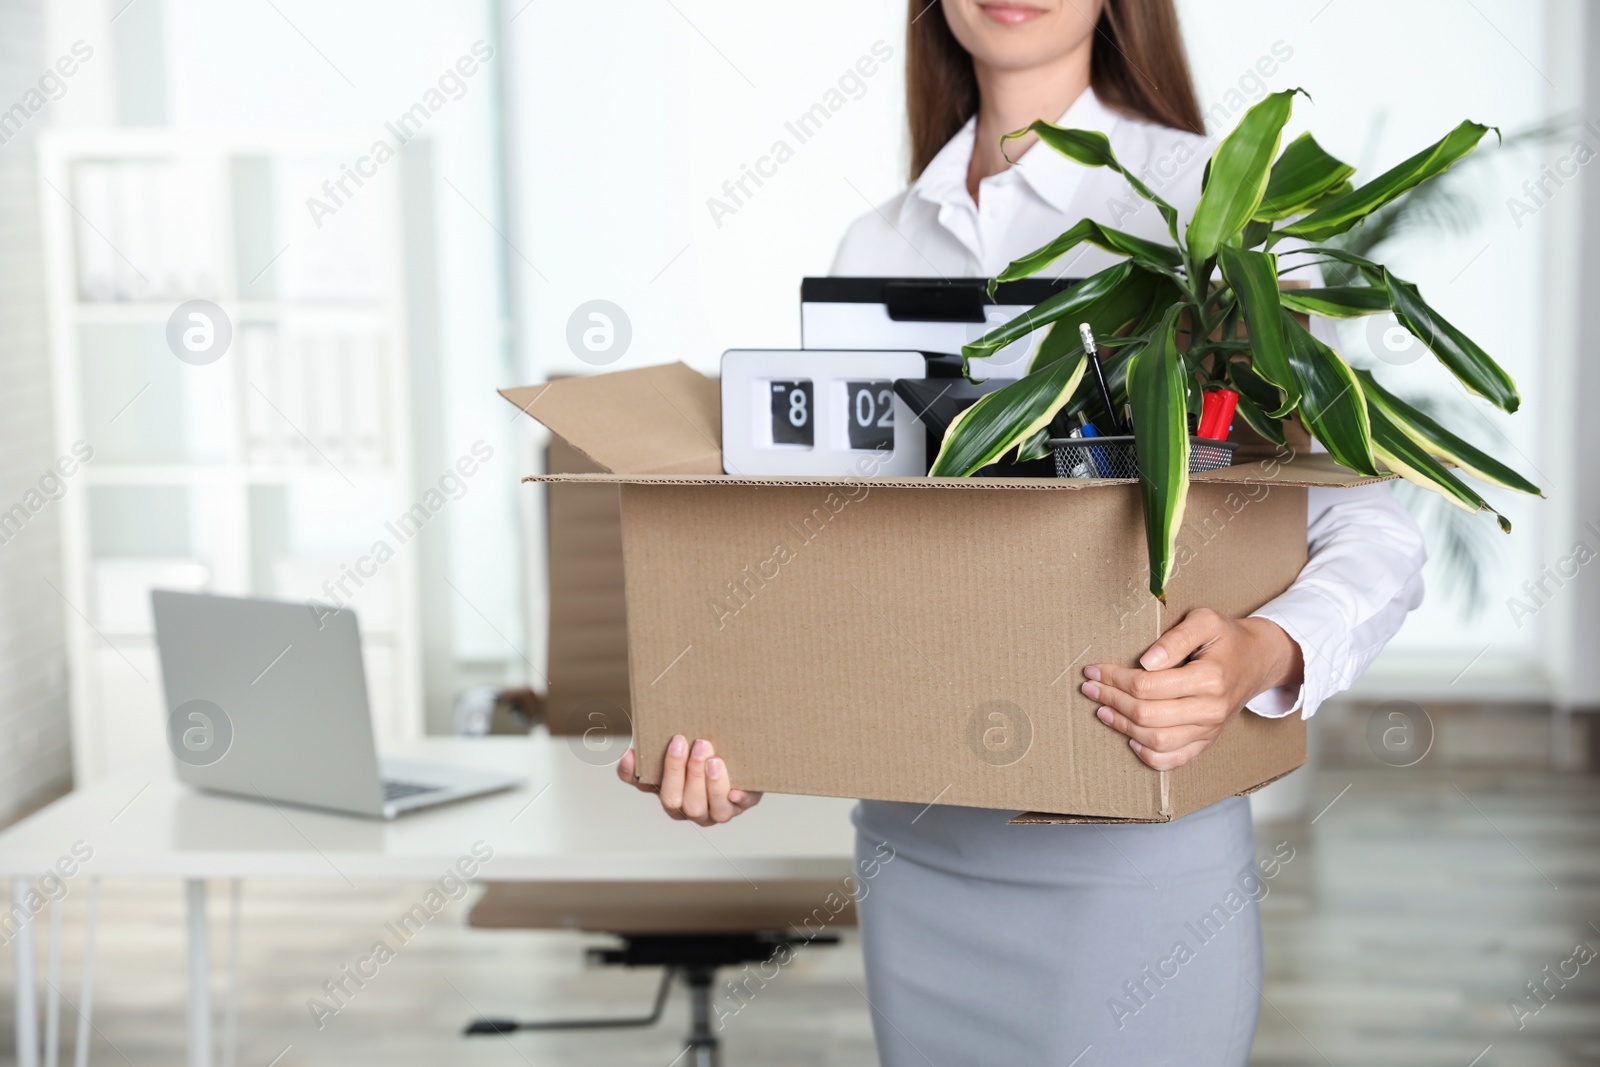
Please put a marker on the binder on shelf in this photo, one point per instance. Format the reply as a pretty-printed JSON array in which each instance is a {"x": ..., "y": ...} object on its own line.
[
  {"x": 189, "y": 192},
  {"x": 143, "y": 230},
  {"x": 291, "y": 400},
  {"x": 326, "y": 394},
  {"x": 347, "y": 260},
  {"x": 366, "y": 431},
  {"x": 125, "y": 229},
  {"x": 97, "y": 262},
  {"x": 305, "y": 393},
  {"x": 258, "y": 346}
]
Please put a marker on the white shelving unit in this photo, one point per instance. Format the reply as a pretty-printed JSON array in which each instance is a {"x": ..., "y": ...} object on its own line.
[{"x": 271, "y": 472}]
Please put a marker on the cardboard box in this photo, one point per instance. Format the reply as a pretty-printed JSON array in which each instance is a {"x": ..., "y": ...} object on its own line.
[
  {"x": 587, "y": 667},
  {"x": 915, "y": 639}
]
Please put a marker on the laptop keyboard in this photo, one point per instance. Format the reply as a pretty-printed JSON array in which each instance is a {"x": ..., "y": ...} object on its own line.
[{"x": 393, "y": 790}]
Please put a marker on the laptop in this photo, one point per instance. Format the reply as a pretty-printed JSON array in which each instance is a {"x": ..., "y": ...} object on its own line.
[{"x": 267, "y": 699}]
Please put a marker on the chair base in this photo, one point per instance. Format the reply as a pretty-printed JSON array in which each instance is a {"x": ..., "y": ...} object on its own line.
[{"x": 692, "y": 957}]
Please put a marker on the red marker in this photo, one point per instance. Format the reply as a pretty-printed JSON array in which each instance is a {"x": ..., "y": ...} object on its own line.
[{"x": 1216, "y": 414}]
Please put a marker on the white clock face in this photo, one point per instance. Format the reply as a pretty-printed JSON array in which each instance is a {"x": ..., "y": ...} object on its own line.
[{"x": 796, "y": 412}]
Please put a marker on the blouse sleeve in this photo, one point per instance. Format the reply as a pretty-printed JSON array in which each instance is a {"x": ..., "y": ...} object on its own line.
[{"x": 1363, "y": 575}]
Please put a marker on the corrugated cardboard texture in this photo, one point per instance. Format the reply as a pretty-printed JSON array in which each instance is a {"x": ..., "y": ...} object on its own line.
[
  {"x": 655, "y": 420},
  {"x": 917, "y": 645},
  {"x": 666, "y": 907},
  {"x": 588, "y": 661}
]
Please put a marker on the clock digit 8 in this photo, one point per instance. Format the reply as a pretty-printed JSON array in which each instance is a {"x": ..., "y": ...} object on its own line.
[{"x": 791, "y": 413}]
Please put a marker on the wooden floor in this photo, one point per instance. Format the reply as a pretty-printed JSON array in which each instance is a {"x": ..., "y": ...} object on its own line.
[
  {"x": 1426, "y": 900},
  {"x": 1417, "y": 905}
]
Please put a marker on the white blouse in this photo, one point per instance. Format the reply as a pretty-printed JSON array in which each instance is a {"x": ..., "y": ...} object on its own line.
[{"x": 1366, "y": 553}]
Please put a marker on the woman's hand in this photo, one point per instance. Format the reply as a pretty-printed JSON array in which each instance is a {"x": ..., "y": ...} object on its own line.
[
  {"x": 694, "y": 783},
  {"x": 1191, "y": 683}
]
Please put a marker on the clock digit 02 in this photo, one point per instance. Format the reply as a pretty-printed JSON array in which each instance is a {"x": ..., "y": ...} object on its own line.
[{"x": 871, "y": 410}]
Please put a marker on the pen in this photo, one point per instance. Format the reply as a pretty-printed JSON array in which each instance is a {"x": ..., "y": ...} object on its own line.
[
  {"x": 1079, "y": 469},
  {"x": 1099, "y": 376},
  {"x": 1097, "y": 456}
]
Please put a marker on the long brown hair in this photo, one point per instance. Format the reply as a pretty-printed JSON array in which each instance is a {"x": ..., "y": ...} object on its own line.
[{"x": 1137, "y": 65}]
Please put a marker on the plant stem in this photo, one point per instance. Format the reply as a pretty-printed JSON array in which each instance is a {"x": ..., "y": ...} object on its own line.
[{"x": 1219, "y": 294}]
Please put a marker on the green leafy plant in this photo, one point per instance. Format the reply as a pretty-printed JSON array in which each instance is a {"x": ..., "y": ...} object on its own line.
[
  {"x": 1450, "y": 207},
  {"x": 1171, "y": 328}
]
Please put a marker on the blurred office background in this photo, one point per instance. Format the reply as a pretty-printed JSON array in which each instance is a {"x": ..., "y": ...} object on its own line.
[{"x": 537, "y": 158}]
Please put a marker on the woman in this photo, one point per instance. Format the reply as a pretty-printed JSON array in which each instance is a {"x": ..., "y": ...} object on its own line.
[{"x": 1136, "y": 944}]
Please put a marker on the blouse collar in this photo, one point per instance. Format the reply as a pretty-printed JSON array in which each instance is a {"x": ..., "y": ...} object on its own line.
[{"x": 1053, "y": 177}]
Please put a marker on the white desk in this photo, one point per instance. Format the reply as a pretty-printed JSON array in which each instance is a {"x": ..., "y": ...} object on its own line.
[{"x": 571, "y": 822}]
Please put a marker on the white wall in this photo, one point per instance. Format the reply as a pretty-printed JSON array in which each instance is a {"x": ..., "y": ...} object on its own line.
[{"x": 629, "y": 125}]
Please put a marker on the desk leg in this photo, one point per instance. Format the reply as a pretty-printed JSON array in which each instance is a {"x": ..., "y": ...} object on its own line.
[
  {"x": 52, "y": 996},
  {"x": 27, "y": 1005},
  {"x": 80, "y": 1051},
  {"x": 230, "y": 1007},
  {"x": 199, "y": 975}
]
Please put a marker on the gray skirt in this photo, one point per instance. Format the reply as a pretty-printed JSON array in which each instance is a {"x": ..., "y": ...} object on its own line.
[{"x": 1128, "y": 945}]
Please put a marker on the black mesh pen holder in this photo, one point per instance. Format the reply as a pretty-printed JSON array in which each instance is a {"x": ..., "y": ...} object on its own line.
[{"x": 1114, "y": 457}]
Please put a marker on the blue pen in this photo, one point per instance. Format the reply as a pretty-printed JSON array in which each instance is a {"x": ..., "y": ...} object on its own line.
[{"x": 1101, "y": 463}]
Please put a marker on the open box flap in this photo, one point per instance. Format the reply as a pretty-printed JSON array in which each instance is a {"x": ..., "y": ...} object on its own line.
[
  {"x": 665, "y": 419},
  {"x": 662, "y": 425}
]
